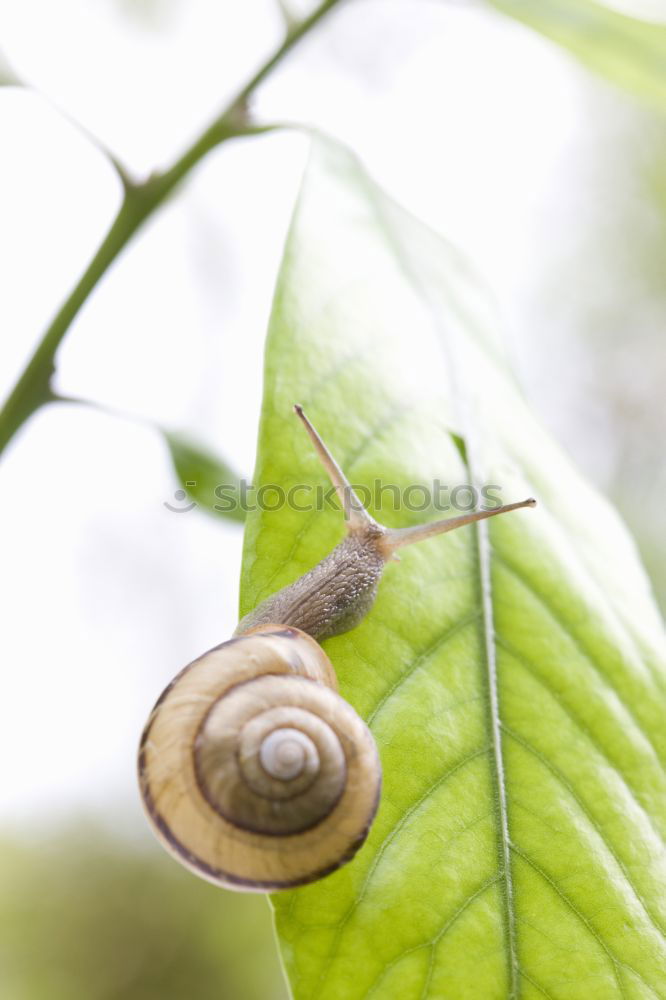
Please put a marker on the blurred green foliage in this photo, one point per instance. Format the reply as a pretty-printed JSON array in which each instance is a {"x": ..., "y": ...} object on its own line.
[
  {"x": 602, "y": 309},
  {"x": 630, "y": 344},
  {"x": 626, "y": 50},
  {"x": 84, "y": 916}
]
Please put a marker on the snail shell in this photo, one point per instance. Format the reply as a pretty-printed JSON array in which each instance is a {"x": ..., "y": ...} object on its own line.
[{"x": 253, "y": 771}]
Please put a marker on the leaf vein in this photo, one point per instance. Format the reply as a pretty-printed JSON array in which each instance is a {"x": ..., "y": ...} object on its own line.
[
  {"x": 616, "y": 964},
  {"x": 418, "y": 662},
  {"x": 565, "y": 629},
  {"x": 390, "y": 836},
  {"x": 561, "y": 777},
  {"x": 432, "y": 944},
  {"x": 580, "y": 725}
]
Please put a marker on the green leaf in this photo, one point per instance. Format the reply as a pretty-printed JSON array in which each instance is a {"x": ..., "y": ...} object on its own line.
[
  {"x": 628, "y": 52},
  {"x": 206, "y": 479},
  {"x": 512, "y": 675}
]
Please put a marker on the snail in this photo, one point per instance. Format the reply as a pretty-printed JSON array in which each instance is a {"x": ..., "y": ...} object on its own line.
[{"x": 254, "y": 772}]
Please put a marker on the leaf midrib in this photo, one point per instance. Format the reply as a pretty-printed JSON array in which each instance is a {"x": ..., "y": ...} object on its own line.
[
  {"x": 495, "y": 725},
  {"x": 485, "y": 583}
]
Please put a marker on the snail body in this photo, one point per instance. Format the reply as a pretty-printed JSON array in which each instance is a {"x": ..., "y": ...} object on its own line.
[{"x": 254, "y": 772}]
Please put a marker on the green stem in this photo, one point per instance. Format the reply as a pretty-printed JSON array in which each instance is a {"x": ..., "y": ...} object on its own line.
[{"x": 33, "y": 389}]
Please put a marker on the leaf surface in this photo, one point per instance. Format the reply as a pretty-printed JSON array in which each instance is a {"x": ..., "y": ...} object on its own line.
[
  {"x": 627, "y": 51},
  {"x": 511, "y": 673}
]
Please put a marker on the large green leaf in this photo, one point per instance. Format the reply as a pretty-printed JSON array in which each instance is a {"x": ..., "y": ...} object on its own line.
[
  {"x": 627, "y": 51},
  {"x": 513, "y": 676}
]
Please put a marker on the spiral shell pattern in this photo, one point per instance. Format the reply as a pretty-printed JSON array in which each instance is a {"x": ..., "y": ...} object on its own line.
[{"x": 254, "y": 772}]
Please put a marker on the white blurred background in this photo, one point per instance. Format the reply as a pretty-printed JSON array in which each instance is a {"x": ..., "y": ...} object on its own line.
[{"x": 548, "y": 178}]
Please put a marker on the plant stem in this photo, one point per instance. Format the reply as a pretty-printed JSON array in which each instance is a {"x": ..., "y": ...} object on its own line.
[{"x": 33, "y": 388}]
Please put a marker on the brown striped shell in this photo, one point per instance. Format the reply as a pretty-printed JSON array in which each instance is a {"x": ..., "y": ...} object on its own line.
[{"x": 254, "y": 772}]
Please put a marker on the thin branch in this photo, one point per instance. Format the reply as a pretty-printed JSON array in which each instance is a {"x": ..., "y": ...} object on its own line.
[{"x": 33, "y": 388}]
